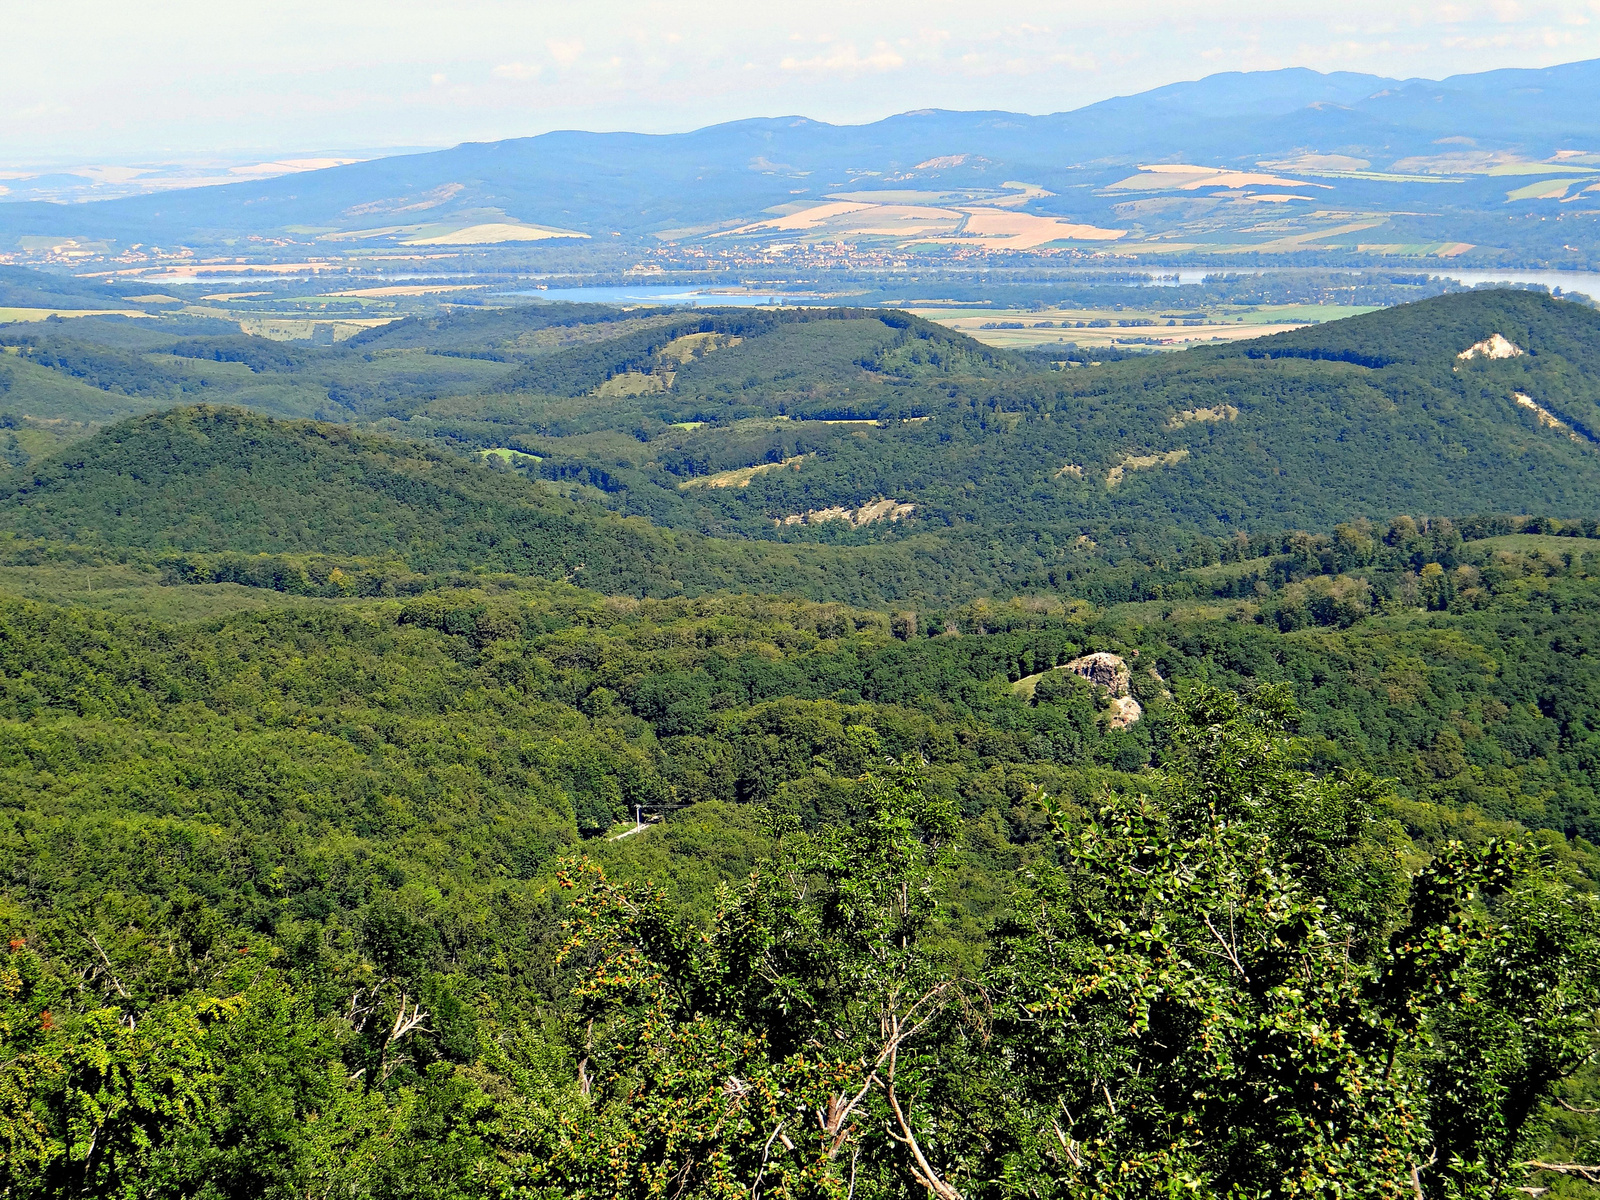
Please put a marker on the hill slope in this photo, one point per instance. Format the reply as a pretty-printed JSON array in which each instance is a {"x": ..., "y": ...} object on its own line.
[
  {"x": 1369, "y": 416},
  {"x": 923, "y": 465},
  {"x": 205, "y": 481},
  {"x": 210, "y": 479}
]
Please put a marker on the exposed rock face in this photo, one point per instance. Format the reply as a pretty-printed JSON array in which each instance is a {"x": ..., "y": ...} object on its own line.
[
  {"x": 1110, "y": 672},
  {"x": 1547, "y": 419},
  {"x": 1124, "y": 711},
  {"x": 874, "y": 510},
  {"x": 1493, "y": 346}
]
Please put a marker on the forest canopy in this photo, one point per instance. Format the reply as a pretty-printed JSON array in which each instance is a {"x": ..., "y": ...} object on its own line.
[{"x": 383, "y": 817}]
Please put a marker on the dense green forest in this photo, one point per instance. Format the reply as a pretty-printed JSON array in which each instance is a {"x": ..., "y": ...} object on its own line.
[
  {"x": 287, "y": 900},
  {"x": 382, "y": 818},
  {"x": 644, "y": 412}
]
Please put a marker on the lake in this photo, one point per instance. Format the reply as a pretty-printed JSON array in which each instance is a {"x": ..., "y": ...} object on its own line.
[{"x": 648, "y": 294}]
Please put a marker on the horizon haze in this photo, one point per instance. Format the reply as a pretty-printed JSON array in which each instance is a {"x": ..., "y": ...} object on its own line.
[{"x": 244, "y": 84}]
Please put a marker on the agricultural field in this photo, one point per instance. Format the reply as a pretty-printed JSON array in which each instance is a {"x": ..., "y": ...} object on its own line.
[
  {"x": 888, "y": 216},
  {"x": 1159, "y": 326},
  {"x": 44, "y": 314}
]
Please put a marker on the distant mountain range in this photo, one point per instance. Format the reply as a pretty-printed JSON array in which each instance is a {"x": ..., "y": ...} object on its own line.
[{"x": 1415, "y": 161}]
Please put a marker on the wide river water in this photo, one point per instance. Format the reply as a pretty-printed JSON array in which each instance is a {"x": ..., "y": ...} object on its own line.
[
  {"x": 666, "y": 295},
  {"x": 1585, "y": 282}
]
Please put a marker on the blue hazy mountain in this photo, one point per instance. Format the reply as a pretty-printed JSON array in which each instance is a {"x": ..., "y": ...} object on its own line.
[{"x": 639, "y": 184}]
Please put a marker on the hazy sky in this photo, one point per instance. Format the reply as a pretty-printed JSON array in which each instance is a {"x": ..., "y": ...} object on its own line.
[{"x": 130, "y": 78}]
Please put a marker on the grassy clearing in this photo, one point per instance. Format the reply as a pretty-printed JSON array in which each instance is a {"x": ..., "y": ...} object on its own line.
[
  {"x": 741, "y": 476},
  {"x": 696, "y": 345},
  {"x": 123, "y": 590},
  {"x": 42, "y": 314},
  {"x": 298, "y": 329},
  {"x": 634, "y": 383},
  {"x": 507, "y": 455},
  {"x": 1541, "y": 543},
  {"x": 1151, "y": 612},
  {"x": 1143, "y": 462}
]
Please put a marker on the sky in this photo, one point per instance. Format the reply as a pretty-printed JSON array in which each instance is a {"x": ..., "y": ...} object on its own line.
[{"x": 136, "y": 80}]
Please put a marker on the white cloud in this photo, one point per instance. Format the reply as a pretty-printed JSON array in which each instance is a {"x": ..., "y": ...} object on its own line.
[
  {"x": 119, "y": 79},
  {"x": 845, "y": 59},
  {"x": 564, "y": 52}
]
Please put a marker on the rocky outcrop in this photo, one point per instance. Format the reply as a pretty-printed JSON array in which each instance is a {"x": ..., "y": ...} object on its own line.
[
  {"x": 874, "y": 510},
  {"x": 1493, "y": 346},
  {"x": 1110, "y": 672}
]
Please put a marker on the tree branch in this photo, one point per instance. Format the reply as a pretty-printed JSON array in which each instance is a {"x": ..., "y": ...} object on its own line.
[
  {"x": 110, "y": 971},
  {"x": 1228, "y": 950},
  {"x": 1590, "y": 1173},
  {"x": 925, "y": 1174}
]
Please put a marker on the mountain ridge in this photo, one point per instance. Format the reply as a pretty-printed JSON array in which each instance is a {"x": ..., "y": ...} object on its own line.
[
  {"x": 645, "y": 185},
  {"x": 1001, "y": 474}
]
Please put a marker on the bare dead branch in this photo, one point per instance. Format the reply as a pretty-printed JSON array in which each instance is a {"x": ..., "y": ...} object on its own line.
[
  {"x": 925, "y": 1174},
  {"x": 1067, "y": 1144},
  {"x": 1229, "y": 951},
  {"x": 1590, "y": 1173},
  {"x": 755, "y": 1186},
  {"x": 110, "y": 971},
  {"x": 403, "y": 1025}
]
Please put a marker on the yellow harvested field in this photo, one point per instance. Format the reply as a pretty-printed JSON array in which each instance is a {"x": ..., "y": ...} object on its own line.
[
  {"x": 41, "y": 314},
  {"x": 494, "y": 233},
  {"x": 846, "y": 219},
  {"x": 1186, "y": 177},
  {"x": 806, "y": 218},
  {"x": 1023, "y": 231},
  {"x": 994, "y": 226},
  {"x": 742, "y": 476}
]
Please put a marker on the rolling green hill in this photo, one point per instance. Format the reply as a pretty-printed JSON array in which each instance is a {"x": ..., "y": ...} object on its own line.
[
  {"x": 1369, "y": 416},
  {"x": 205, "y": 481},
  {"x": 222, "y": 479},
  {"x": 324, "y": 749},
  {"x": 982, "y": 471}
]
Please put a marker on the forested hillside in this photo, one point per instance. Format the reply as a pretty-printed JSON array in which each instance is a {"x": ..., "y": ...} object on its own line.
[
  {"x": 950, "y": 465},
  {"x": 328, "y": 838},
  {"x": 492, "y": 793}
]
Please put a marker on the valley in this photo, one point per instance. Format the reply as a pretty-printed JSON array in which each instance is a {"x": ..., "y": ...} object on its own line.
[{"x": 971, "y": 655}]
